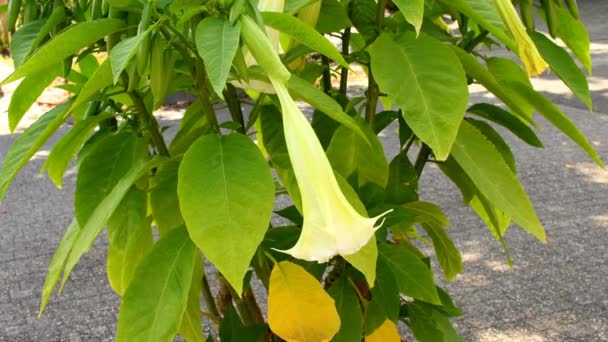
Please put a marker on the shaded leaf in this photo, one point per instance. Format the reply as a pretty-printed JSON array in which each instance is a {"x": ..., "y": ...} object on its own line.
[{"x": 347, "y": 304}]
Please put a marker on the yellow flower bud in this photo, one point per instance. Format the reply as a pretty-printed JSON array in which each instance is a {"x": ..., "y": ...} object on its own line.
[
  {"x": 529, "y": 55},
  {"x": 331, "y": 225}
]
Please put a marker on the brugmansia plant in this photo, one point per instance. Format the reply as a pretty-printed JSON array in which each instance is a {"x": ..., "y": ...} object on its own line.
[{"x": 249, "y": 192}]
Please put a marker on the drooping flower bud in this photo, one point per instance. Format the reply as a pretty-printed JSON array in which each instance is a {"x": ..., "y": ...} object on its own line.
[{"x": 529, "y": 55}]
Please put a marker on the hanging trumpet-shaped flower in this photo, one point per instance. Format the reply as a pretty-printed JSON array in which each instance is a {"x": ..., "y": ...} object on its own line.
[
  {"x": 529, "y": 55},
  {"x": 331, "y": 225}
]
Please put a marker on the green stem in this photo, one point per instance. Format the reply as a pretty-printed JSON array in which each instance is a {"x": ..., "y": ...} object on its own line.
[
  {"x": 149, "y": 122},
  {"x": 204, "y": 94},
  {"x": 326, "y": 74},
  {"x": 380, "y": 14},
  {"x": 234, "y": 106},
  {"x": 344, "y": 71},
  {"x": 372, "y": 99},
  {"x": 423, "y": 154},
  {"x": 260, "y": 266}
]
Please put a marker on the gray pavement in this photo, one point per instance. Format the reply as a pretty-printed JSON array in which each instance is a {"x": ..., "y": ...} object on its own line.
[{"x": 555, "y": 292}]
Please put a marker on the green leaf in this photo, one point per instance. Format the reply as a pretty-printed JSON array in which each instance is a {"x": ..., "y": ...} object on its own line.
[
  {"x": 65, "y": 44},
  {"x": 217, "y": 41},
  {"x": 97, "y": 220},
  {"x": 447, "y": 254},
  {"x": 550, "y": 111},
  {"x": 136, "y": 243},
  {"x": 413, "y": 11},
  {"x": 333, "y": 17},
  {"x": 190, "y": 328},
  {"x": 364, "y": 260},
  {"x": 496, "y": 139},
  {"x": 26, "y": 145},
  {"x": 402, "y": 185},
  {"x": 575, "y": 35},
  {"x": 478, "y": 72},
  {"x": 564, "y": 67},
  {"x": 507, "y": 120},
  {"x": 302, "y": 89},
  {"x": 506, "y": 71},
  {"x": 164, "y": 202},
  {"x": 233, "y": 330},
  {"x": 349, "y": 310},
  {"x": 57, "y": 263},
  {"x": 123, "y": 52},
  {"x": 102, "y": 168},
  {"x": 100, "y": 79},
  {"x": 23, "y": 40},
  {"x": 132, "y": 213},
  {"x": 427, "y": 212},
  {"x": 226, "y": 195},
  {"x": 386, "y": 291},
  {"x": 435, "y": 99},
  {"x": 66, "y": 148},
  {"x": 428, "y": 325},
  {"x": 350, "y": 154},
  {"x": 153, "y": 305},
  {"x": 414, "y": 278},
  {"x": 304, "y": 34},
  {"x": 26, "y": 93},
  {"x": 488, "y": 11},
  {"x": 490, "y": 173}
]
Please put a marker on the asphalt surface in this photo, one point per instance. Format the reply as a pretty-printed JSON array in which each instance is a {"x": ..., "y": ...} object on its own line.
[{"x": 555, "y": 292}]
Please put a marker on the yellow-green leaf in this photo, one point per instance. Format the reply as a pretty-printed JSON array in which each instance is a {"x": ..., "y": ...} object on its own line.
[{"x": 299, "y": 310}]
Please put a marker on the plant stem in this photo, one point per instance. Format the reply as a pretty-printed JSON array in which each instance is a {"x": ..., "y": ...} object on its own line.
[
  {"x": 204, "y": 94},
  {"x": 372, "y": 99},
  {"x": 149, "y": 122},
  {"x": 423, "y": 154},
  {"x": 380, "y": 14},
  {"x": 234, "y": 106},
  {"x": 345, "y": 51},
  {"x": 261, "y": 268},
  {"x": 326, "y": 74}
]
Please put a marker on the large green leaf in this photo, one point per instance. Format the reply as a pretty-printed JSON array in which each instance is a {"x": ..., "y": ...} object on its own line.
[
  {"x": 233, "y": 330},
  {"x": 156, "y": 299},
  {"x": 136, "y": 242},
  {"x": 66, "y": 148},
  {"x": 217, "y": 41},
  {"x": 26, "y": 93},
  {"x": 575, "y": 35},
  {"x": 386, "y": 291},
  {"x": 488, "y": 11},
  {"x": 436, "y": 95},
  {"x": 304, "y": 34},
  {"x": 190, "y": 328},
  {"x": 402, "y": 185},
  {"x": 564, "y": 67},
  {"x": 26, "y": 145},
  {"x": 57, "y": 263},
  {"x": 23, "y": 40},
  {"x": 413, "y": 11},
  {"x": 101, "y": 78},
  {"x": 226, "y": 195},
  {"x": 66, "y": 44},
  {"x": 132, "y": 213},
  {"x": 414, "y": 278},
  {"x": 486, "y": 167},
  {"x": 429, "y": 325},
  {"x": 447, "y": 254},
  {"x": 163, "y": 197},
  {"x": 98, "y": 218},
  {"x": 333, "y": 17},
  {"x": 496, "y": 139},
  {"x": 347, "y": 304},
  {"x": 102, "y": 168},
  {"x": 558, "y": 119},
  {"x": 348, "y": 153}
]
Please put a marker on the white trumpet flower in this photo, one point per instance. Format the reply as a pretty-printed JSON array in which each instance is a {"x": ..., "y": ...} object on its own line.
[
  {"x": 528, "y": 53},
  {"x": 331, "y": 225}
]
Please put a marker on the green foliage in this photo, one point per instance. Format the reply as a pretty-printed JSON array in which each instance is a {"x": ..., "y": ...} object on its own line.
[{"x": 208, "y": 195}]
